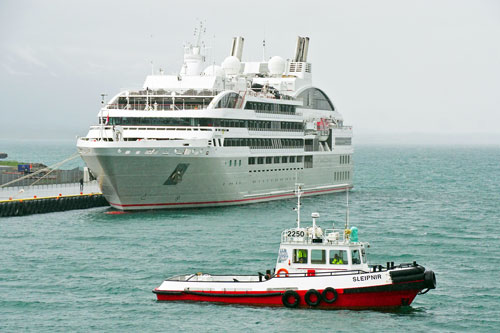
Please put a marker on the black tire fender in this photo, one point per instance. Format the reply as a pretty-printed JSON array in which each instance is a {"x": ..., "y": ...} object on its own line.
[
  {"x": 325, "y": 295},
  {"x": 307, "y": 297},
  {"x": 286, "y": 299},
  {"x": 430, "y": 279}
]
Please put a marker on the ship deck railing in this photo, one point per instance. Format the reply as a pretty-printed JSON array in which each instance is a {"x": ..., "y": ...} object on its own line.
[
  {"x": 327, "y": 235},
  {"x": 135, "y": 92},
  {"x": 341, "y": 127},
  {"x": 259, "y": 277},
  {"x": 267, "y": 95},
  {"x": 156, "y": 107},
  {"x": 269, "y": 131},
  {"x": 152, "y": 128}
]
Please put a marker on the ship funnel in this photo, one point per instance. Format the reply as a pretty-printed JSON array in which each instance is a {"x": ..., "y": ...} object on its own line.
[
  {"x": 301, "y": 49},
  {"x": 237, "y": 48}
]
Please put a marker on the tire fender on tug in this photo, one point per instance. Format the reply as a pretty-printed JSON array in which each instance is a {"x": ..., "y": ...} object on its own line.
[
  {"x": 430, "y": 279},
  {"x": 326, "y": 295},
  {"x": 290, "y": 299},
  {"x": 312, "y": 297}
]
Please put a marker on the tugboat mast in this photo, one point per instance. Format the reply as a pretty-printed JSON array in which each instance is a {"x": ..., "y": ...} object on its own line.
[
  {"x": 298, "y": 192},
  {"x": 347, "y": 210}
]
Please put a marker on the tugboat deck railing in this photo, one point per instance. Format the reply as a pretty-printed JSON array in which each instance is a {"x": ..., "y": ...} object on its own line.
[{"x": 258, "y": 278}]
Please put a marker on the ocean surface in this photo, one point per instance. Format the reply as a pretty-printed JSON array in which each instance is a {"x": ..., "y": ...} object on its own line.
[{"x": 87, "y": 270}]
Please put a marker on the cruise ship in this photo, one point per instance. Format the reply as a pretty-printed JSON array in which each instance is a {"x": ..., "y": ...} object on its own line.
[{"x": 242, "y": 132}]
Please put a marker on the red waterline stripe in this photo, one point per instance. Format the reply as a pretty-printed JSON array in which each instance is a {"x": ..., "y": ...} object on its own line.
[{"x": 225, "y": 201}]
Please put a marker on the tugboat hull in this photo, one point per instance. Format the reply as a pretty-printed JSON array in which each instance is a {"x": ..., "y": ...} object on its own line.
[{"x": 306, "y": 292}]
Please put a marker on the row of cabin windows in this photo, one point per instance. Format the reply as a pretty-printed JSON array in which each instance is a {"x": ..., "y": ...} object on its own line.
[
  {"x": 270, "y": 107},
  {"x": 208, "y": 122},
  {"x": 345, "y": 159},
  {"x": 263, "y": 143},
  {"x": 341, "y": 175},
  {"x": 233, "y": 163},
  {"x": 335, "y": 257},
  {"x": 275, "y": 160}
]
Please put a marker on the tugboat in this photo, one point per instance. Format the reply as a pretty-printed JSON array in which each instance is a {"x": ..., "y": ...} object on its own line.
[{"x": 322, "y": 268}]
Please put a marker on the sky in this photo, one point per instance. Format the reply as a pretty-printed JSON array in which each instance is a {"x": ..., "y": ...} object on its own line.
[{"x": 421, "y": 71}]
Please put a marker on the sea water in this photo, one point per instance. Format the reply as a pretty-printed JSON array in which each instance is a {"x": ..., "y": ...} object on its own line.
[{"x": 88, "y": 270}]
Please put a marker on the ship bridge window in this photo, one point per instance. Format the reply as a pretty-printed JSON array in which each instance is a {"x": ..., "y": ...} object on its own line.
[
  {"x": 338, "y": 257},
  {"x": 229, "y": 100},
  {"x": 340, "y": 141},
  {"x": 318, "y": 257},
  {"x": 314, "y": 98},
  {"x": 356, "y": 260},
  {"x": 300, "y": 256}
]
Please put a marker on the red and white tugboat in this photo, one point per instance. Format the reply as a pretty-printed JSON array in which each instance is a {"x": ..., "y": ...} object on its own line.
[{"x": 325, "y": 268}]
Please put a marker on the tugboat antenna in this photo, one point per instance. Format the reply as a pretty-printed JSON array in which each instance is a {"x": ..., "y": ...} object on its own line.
[{"x": 347, "y": 209}]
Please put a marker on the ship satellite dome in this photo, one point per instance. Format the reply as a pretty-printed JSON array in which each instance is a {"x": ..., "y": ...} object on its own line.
[
  {"x": 231, "y": 65},
  {"x": 276, "y": 65},
  {"x": 213, "y": 70}
]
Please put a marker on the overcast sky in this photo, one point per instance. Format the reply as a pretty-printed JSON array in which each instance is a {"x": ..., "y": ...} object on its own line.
[{"x": 410, "y": 68}]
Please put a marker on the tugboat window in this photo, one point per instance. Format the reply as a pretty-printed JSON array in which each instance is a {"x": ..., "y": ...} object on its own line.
[
  {"x": 318, "y": 257},
  {"x": 355, "y": 257},
  {"x": 300, "y": 256},
  {"x": 338, "y": 257}
]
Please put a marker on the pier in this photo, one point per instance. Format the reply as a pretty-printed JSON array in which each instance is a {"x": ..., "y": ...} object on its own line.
[{"x": 36, "y": 199}]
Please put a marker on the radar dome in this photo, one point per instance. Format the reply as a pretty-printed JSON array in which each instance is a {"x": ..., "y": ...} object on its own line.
[
  {"x": 276, "y": 65},
  {"x": 213, "y": 70},
  {"x": 231, "y": 65}
]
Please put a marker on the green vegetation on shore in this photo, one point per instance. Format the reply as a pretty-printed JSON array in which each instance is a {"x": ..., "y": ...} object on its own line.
[{"x": 9, "y": 163}]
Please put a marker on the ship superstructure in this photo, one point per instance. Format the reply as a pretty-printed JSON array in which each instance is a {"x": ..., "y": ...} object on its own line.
[{"x": 216, "y": 135}]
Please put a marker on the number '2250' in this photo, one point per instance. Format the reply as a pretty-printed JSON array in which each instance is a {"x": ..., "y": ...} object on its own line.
[{"x": 295, "y": 233}]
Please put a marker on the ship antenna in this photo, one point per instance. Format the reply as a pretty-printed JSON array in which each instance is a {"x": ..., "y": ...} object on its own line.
[
  {"x": 264, "y": 46},
  {"x": 264, "y": 49},
  {"x": 213, "y": 56},
  {"x": 198, "y": 32},
  {"x": 298, "y": 193}
]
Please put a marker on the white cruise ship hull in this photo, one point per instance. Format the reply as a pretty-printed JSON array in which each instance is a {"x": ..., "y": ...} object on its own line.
[
  {"x": 138, "y": 177},
  {"x": 238, "y": 133}
]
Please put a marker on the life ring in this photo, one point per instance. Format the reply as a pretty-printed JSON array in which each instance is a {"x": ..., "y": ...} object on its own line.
[
  {"x": 287, "y": 296},
  {"x": 282, "y": 270},
  {"x": 312, "y": 297},
  {"x": 325, "y": 295}
]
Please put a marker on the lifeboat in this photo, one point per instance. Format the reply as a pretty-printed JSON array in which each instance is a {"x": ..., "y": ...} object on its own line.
[{"x": 316, "y": 268}]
